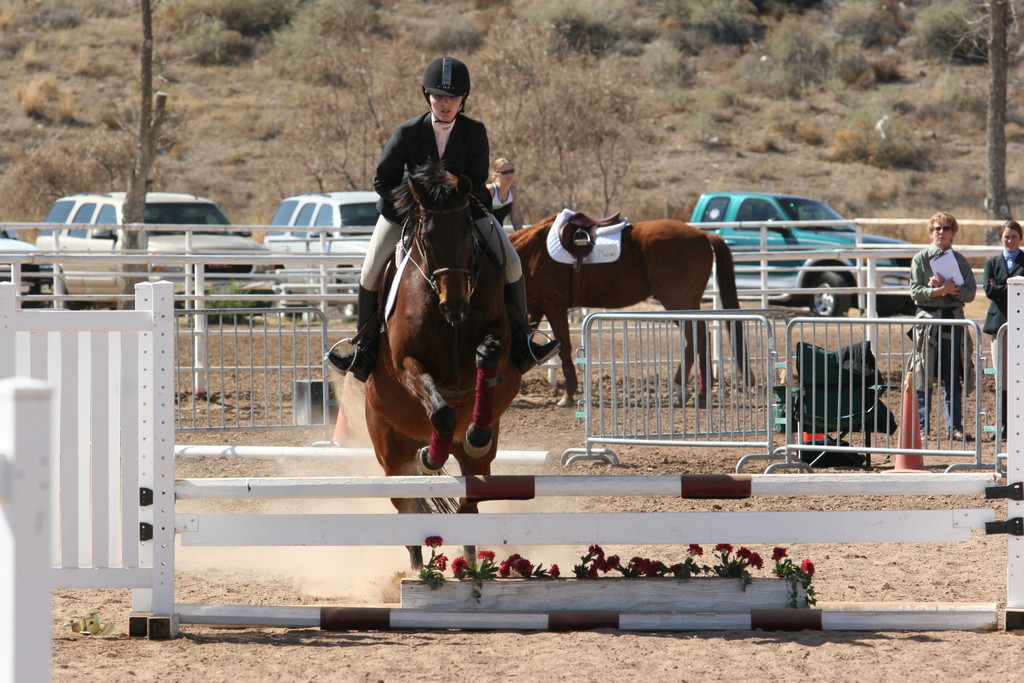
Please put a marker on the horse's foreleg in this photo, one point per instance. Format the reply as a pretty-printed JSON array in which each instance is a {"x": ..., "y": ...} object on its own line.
[
  {"x": 479, "y": 434},
  {"x": 441, "y": 415}
]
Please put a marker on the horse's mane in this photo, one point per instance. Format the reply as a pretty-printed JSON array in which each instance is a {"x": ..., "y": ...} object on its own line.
[{"x": 432, "y": 178}]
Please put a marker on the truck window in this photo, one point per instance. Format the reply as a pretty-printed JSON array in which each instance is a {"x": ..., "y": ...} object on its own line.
[
  {"x": 714, "y": 212},
  {"x": 59, "y": 212},
  {"x": 107, "y": 215},
  {"x": 84, "y": 213},
  {"x": 757, "y": 209},
  {"x": 359, "y": 214},
  {"x": 305, "y": 217},
  {"x": 284, "y": 213},
  {"x": 325, "y": 216}
]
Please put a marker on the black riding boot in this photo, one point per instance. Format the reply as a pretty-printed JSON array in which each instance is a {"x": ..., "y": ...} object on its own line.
[
  {"x": 361, "y": 361},
  {"x": 524, "y": 353}
]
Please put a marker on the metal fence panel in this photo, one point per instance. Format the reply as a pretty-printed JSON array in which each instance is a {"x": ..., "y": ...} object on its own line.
[
  {"x": 846, "y": 410},
  {"x": 251, "y": 368},
  {"x": 635, "y": 392}
]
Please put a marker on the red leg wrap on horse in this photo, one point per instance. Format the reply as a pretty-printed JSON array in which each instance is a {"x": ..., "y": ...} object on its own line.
[
  {"x": 486, "y": 386},
  {"x": 440, "y": 447}
]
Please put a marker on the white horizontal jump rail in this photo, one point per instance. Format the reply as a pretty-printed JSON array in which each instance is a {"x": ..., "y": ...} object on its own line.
[
  {"x": 527, "y": 487},
  {"x": 274, "y": 452},
  {"x": 585, "y": 528},
  {"x": 861, "y": 616}
]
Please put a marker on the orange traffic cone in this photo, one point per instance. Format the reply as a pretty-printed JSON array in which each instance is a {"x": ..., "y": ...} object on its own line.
[
  {"x": 340, "y": 428},
  {"x": 910, "y": 429}
]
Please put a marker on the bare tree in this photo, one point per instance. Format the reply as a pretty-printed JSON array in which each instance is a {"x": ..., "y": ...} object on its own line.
[
  {"x": 151, "y": 114},
  {"x": 997, "y": 204}
]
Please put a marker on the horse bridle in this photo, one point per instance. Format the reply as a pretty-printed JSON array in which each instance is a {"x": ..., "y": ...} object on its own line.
[{"x": 472, "y": 273}]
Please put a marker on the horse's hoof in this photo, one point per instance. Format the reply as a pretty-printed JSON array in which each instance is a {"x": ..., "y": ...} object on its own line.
[
  {"x": 478, "y": 441},
  {"x": 702, "y": 401},
  {"x": 426, "y": 464},
  {"x": 565, "y": 403}
]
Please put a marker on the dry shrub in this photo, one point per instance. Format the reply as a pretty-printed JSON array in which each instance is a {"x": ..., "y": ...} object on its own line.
[
  {"x": 762, "y": 142},
  {"x": 886, "y": 68},
  {"x": 951, "y": 29},
  {"x": 454, "y": 34},
  {"x": 871, "y": 23},
  {"x": 567, "y": 122},
  {"x": 756, "y": 173},
  {"x": 808, "y": 131},
  {"x": 307, "y": 48},
  {"x": 251, "y": 18},
  {"x": 98, "y": 66},
  {"x": 729, "y": 22},
  {"x": 953, "y": 92},
  {"x": 663, "y": 64},
  {"x": 854, "y": 70},
  {"x": 880, "y": 140},
  {"x": 43, "y": 98},
  {"x": 585, "y": 27},
  {"x": 99, "y": 161},
  {"x": 32, "y": 59},
  {"x": 1014, "y": 132},
  {"x": 53, "y": 15},
  {"x": 799, "y": 59},
  {"x": 221, "y": 31}
]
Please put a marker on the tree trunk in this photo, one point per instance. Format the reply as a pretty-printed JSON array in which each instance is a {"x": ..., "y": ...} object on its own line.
[
  {"x": 150, "y": 118},
  {"x": 997, "y": 204}
]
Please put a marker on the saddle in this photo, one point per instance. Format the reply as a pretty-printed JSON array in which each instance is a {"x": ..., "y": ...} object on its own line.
[{"x": 577, "y": 233}]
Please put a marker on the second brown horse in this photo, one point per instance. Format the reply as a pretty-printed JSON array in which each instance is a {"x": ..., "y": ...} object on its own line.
[{"x": 665, "y": 259}]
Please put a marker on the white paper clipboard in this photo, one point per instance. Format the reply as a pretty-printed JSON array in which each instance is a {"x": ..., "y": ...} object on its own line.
[{"x": 946, "y": 266}]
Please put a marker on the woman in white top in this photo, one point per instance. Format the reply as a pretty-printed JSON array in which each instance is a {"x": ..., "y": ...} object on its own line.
[{"x": 502, "y": 189}]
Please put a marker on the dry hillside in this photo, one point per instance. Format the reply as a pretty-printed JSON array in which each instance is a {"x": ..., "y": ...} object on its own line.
[{"x": 878, "y": 107}]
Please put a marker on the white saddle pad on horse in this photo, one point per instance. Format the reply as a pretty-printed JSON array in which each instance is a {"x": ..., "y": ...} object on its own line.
[{"x": 607, "y": 242}]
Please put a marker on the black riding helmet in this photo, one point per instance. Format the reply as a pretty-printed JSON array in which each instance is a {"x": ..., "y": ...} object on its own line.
[{"x": 446, "y": 77}]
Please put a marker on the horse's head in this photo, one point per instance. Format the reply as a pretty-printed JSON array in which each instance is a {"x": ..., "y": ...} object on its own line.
[{"x": 435, "y": 205}]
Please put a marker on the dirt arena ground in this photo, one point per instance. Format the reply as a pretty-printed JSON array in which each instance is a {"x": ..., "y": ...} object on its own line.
[{"x": 966, "y": 572}]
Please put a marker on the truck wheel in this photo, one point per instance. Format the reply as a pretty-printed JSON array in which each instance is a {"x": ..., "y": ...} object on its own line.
[{"x": 826, "y": 304}]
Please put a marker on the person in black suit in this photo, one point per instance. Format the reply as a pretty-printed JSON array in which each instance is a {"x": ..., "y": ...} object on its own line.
[
  {"x": 997, "y": 270},
  {"x": 443, "y": 134}
]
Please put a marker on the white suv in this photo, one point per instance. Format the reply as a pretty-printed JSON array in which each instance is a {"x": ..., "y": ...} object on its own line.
[
  {"x": 164, "y": 208},
  {"x": 351, "y": 214}
]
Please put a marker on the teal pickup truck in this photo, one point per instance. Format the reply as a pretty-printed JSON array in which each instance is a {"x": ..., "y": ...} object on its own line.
[{"x": 816, "y": 270}]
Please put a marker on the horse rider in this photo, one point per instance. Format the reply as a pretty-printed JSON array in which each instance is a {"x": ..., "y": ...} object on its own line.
[{"x": 443, "y": 134}]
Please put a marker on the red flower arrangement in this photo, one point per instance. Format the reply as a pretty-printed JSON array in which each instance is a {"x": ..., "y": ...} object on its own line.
[{"x": 730, "y": 564}]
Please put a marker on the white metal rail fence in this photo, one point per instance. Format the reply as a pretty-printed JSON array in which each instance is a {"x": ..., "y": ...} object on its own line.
[
  {"x": 630, "y": 369},
  {"x": 810, "y": 401}
]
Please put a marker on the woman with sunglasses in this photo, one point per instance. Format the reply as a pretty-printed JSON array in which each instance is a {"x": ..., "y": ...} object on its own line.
[
  {"x": 444, "y": 133},
  {"x": 503, "y": 191},
  {"x": 941, "y": 283}
]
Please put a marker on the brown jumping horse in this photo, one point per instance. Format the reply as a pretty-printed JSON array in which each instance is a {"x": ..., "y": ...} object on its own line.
[
  {"x": 443, "y": 377},
  {"x": 665, "y": 259}
]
